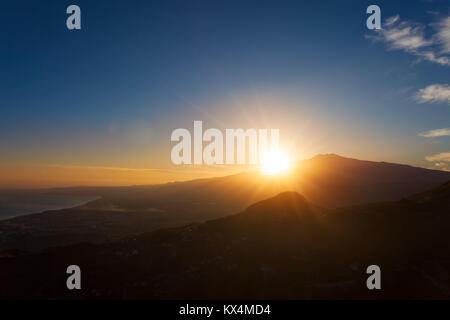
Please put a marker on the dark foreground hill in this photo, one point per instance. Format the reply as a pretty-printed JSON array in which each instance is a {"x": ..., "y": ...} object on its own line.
[
  {"x": 326, "y": 180},
  {"x": 280, "y": 248}
]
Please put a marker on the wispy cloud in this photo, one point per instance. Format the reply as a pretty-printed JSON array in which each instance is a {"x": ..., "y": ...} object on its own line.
[
  {"x": 445, "y": 156},
  {"x": 410, "y": 37},
  {"x": 431, "y": 56},
  {"x": 441, "y": 161},
  {"x": 440, "y": 164},
  {"x": 443, "y": 34},
  {"x": 434, "y": 93},
  {"x": 435, "y": 133}
]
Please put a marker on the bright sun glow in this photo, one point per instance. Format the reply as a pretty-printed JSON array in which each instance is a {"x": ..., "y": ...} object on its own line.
[{"x": 275, "y": 162}]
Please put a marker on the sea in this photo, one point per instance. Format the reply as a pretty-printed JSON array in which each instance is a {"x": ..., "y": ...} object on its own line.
[{"x": 18, "y": 203}]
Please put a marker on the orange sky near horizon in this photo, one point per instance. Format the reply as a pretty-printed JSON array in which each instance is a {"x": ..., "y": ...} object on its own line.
[
  {"x": 22, "y": 176},
  {"x": 50, "y": 176},
  {"x": 140, "y": 154}
]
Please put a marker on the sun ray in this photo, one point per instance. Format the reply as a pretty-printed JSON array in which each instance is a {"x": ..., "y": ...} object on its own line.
[{"x": 275, "y": 162}]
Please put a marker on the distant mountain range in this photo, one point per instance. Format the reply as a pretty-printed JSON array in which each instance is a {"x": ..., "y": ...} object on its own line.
[
  {"x": 326, "y": 180},
  {"x": 280, "y": 248}
]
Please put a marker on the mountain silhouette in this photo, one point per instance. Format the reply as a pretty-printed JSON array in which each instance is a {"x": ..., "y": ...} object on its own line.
[
  {"x": 285, "y": 207},
  {"x": 333, "y": 181},
  {"x": 281, "y": 248},
  {"x": 325, "y": 180},
  {"x": 436, "y": 198}
]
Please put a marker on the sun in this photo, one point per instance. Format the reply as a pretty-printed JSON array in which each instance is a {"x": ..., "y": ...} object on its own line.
[{"x": 274, "y": 162}]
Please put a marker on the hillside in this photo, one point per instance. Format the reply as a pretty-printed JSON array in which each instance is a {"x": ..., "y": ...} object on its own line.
[
  {"x": 326, "y": 180},
  {"x": 280, "y": 248}
]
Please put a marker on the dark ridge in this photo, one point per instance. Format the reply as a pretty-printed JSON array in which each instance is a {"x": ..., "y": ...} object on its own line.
[{"x": 289, "y": 202}]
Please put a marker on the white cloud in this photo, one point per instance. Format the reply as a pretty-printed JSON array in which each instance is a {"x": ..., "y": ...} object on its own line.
[
  {"x": 443, "y": 166},
  {"x": 436, "y": 133},
  {"x": 440, "y": 164},
  {"x": 410, "y": 37},
  {"x": 404, "y": 35},
  {"x": 443, "y": 34},
  {"x": 434, "y": 93},
  {"x": 391, "y": 20},
  {"x": 431, "y": 56},
  {"x": 445, "y": 156}
]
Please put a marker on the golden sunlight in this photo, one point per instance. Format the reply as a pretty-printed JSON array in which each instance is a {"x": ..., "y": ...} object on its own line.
[{"x": 274, "y": 162}]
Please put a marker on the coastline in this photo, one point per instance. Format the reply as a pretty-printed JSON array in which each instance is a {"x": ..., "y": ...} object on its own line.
[{"x": 25, "y": 203}]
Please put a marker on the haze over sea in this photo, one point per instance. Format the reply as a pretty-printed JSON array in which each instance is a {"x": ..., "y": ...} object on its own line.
[{"x": 17, "y": 203}]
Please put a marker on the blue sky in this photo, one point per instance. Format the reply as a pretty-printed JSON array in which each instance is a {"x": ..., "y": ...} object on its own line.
[{"x": 111, "y": 93}]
